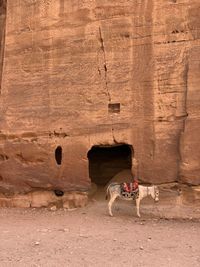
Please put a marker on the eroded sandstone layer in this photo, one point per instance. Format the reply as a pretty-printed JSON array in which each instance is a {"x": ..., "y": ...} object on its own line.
[{"x": 78, "y": 74}]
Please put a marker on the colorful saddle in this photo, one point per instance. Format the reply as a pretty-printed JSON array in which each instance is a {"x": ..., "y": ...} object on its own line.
[{"x": 130, "y": 190}]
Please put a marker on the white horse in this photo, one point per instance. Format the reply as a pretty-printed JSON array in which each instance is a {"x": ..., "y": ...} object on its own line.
[{"x": 114, "y": 190}]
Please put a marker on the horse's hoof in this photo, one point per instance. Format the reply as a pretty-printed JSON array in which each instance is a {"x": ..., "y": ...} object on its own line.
[{"x": 111, "y": 215}]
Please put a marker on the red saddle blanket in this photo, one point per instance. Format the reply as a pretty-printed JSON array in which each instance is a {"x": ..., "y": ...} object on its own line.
[{"x": 130, "y": 187}]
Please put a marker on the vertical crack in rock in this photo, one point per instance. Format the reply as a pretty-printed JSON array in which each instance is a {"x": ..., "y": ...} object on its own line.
[
  {"x": 3, "y": 5},
  {"x": 185, "y": 94},
  {"x": 105, "y": 63},
  {"x": 113, "y": 136},
  {"x": 105, "y": 77},
  {"x": 184, "y": 118}
]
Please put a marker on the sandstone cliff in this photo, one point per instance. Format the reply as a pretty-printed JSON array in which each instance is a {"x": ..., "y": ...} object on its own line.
[{"x": 77, "y": 74}]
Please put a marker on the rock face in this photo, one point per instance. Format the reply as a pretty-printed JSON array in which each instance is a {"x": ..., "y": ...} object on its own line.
[{"x": 94, "y": 73}]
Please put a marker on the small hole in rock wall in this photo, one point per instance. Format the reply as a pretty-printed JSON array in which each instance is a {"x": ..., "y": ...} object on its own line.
[
  {"x": 58, "y": 155},
  {"x": 58, "y": 193}
]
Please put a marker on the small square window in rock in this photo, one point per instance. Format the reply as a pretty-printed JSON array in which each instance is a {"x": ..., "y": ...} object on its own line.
[{"x": 114, "y": 108}]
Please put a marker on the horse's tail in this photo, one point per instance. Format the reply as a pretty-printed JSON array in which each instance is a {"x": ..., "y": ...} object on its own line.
[{"x": 107, "y": 191}]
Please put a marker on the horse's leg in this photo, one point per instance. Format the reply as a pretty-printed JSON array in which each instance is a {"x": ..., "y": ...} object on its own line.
[
  {"x": 138, "y": 206},
  {"x": 110, "y": 203}
]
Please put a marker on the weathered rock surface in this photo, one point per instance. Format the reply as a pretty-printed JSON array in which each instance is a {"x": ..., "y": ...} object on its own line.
[
  {"x": 38, "y": 199},
  {"x": 76, "y": 74}
]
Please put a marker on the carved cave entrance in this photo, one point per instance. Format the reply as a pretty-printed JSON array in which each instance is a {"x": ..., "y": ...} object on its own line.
[{"x": 106, "y": 161}]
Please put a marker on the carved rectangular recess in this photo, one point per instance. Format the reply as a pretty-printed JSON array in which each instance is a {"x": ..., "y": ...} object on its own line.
[{"x": 114, "y": 108}]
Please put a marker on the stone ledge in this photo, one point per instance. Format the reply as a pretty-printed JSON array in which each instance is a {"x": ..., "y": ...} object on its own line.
[{"x": 38, "y": 199}]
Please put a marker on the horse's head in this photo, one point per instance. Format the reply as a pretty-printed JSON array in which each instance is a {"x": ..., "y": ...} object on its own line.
[{"x": 155, "y": 193}]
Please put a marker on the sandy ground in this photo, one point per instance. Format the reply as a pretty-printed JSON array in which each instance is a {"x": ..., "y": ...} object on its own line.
[{"x": 89, "y": 237}]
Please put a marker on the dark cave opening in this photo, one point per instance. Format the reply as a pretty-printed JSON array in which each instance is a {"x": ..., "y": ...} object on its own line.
[{"x": 106, "y": 161}]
